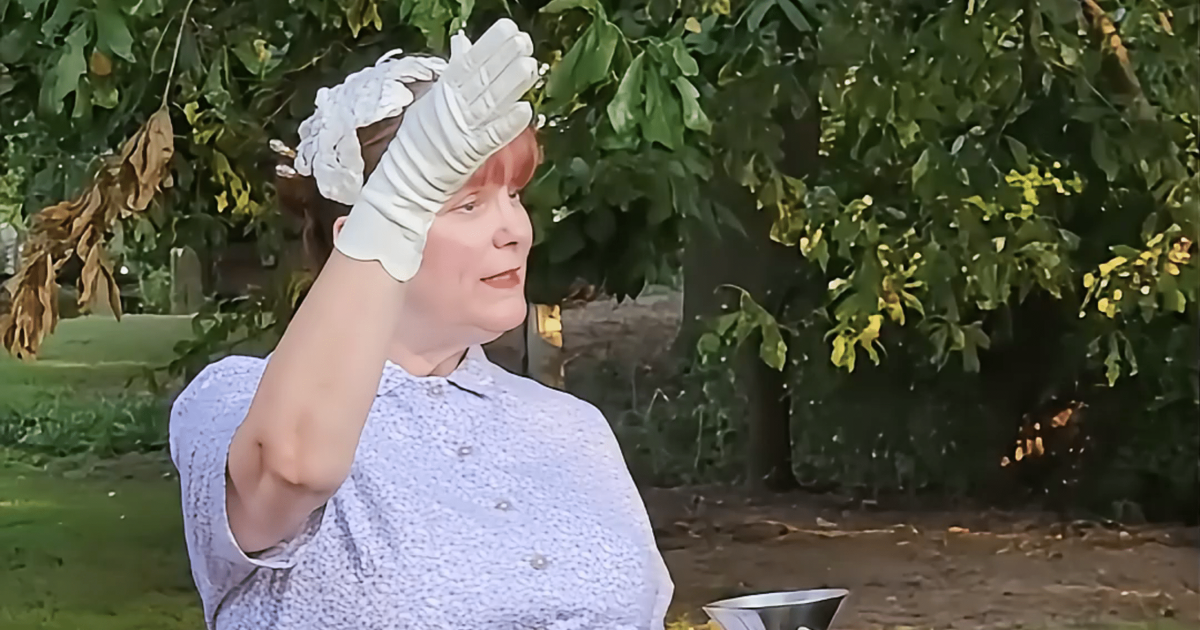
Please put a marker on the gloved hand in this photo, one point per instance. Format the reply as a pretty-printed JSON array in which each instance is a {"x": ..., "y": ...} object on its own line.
[{"x": 472, "y": 111}]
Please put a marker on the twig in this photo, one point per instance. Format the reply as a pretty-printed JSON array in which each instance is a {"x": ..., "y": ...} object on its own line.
[{"x": 175, "y": 55}]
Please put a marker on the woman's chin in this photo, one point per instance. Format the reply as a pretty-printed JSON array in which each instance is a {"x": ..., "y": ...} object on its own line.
[{"x": 504, "y": 315}]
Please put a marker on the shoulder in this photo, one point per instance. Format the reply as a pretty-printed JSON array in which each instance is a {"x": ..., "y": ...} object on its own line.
[
  {"x": 232, "y": 372},
  {"x": 216, "y": 397},
  {"x": 562, "y": 409},
  {"x": 534, "y": 392}
]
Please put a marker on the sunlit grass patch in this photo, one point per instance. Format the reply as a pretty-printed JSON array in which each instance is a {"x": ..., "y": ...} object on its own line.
[{"x": 97, "y": 553}]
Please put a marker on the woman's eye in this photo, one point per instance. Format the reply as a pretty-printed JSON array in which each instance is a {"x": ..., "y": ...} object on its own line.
[
  {"x": 467, "y": 207},
  {"x": 516, "y": 194}
]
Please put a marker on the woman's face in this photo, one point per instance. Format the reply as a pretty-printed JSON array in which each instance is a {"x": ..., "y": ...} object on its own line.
[
  {"x": 472, "y": 274},
  {"x": 471, "y": 280}
]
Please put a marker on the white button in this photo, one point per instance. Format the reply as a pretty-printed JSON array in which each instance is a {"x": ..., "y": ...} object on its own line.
[
  {"x": 463, "y": 451},
  {"x": 538, "y": 561},
  {"x": 503, "y": 505}
]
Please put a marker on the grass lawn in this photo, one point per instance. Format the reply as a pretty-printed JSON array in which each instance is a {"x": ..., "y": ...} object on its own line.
[
  {"x": 90, "y": 355},
  {"x": 97, "y": 553}
]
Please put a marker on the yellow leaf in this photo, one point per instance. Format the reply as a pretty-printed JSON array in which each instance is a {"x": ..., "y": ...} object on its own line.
[
  {"x": 692, "y": 25},
  {"x": 1107, "y": 267},
  {"x": 1171, "y": 268},
  {"x": 1102, "y": 305},
  {"x": 871, "y": 332},
  {"x": 1117, "y": 294},
  {"x": 1088, "y": 280},
  {"x": 839, "y": 350}
]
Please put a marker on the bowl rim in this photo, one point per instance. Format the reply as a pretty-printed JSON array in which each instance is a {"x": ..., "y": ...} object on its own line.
[{"x": 816, "y": 595}]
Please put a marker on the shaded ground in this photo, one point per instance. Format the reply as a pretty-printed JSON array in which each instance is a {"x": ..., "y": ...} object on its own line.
[
  {"x": 927, "y": 570},
  {"x": 98, "y": 545}
]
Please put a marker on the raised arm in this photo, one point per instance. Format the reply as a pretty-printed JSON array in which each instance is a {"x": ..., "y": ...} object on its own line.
[{"x": 296, "y": 445}]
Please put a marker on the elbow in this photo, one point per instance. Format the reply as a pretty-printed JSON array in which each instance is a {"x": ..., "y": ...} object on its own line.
[{"x": 301, "y": 464}]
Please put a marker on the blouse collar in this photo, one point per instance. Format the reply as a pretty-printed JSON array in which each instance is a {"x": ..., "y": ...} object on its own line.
[{"x": 474, "y": 374}]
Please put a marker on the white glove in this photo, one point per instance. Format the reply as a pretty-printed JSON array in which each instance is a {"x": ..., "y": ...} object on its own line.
[{"x": 472, "y": 111}]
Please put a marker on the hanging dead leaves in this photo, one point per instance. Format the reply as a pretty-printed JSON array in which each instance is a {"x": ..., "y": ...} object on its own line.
[{"x": 122, "y": 185}]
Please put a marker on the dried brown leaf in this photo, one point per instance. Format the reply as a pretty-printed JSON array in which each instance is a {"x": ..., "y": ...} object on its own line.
[
  {"x": 97, "y": 276},
  {"x": 34, "y": 310},
  {"x": 145, "y": 160},
  {"x": 78, "y": 227}
]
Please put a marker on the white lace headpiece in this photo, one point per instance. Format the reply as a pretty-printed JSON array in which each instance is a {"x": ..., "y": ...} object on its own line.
[{"x": 329, "y": 149}]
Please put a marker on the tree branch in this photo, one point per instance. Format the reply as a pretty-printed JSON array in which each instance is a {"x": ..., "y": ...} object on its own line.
[{"x": 1127, "y": 78}]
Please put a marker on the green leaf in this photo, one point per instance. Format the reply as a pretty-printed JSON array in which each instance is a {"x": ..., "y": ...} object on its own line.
[
  {"x": 1113, "y": 362},
  {"x": 558, "y": 6},
  {"x": 725, "y": 322},
  {"x": 754, "y": 15},
  {"x": 83, "y": 102},
  {"x": 921, "y": 167},
  {"x": 105, "y": 93},
  {"x": 70, "y": 67},
  {"x": 693, "y": 116},
  {"x": 683, "y": 59},
  {"x": 62, "y": 13},
  {"x": 1174, "y": 300},
  {"x": 1130, "y": 356},
  {"x": 795, "y": 16},
  {"x": 1103, "y": 156},
  {"x": 773, "y": 350},
  {"x": 662, "y": 122},
  {"x": 258, "y": 55},
  {"x": 111, "y": 33},
  {"x": 586, "y": 63},
  {"x": 708, "y": 344},
  {"x": 15, "y": 43},
  {"x": 624, "y": 107}
]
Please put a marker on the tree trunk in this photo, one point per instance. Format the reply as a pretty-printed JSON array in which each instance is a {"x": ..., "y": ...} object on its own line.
[
  {"x": 768, "y": 271},
  {"x": 752, "y": 262}
]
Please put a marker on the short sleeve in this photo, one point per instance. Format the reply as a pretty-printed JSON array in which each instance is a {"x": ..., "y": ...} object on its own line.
[
  {"x": 598, "y": 433},
  {"x": 663, "y": 593},
  {"x": 203, "y": 421}
]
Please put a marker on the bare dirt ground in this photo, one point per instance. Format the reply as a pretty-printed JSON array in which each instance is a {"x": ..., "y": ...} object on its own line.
[{"x": 904, "y": 570}]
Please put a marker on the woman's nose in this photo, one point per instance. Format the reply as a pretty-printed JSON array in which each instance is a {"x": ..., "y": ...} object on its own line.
[{"x": 514, "y": 226}]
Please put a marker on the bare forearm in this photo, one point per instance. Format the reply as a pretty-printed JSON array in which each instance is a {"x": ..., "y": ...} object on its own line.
[{"x": 298, "y": 441}]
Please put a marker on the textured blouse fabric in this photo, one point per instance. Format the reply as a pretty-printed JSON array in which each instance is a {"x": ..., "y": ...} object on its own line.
[{"x": 481, "y": 500}]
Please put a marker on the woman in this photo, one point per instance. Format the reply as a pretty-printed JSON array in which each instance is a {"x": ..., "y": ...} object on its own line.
[{"x": 376, "y": 471}]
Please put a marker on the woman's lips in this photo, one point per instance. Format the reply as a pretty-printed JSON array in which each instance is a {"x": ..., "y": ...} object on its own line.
[{"x": 510, "y": 279}]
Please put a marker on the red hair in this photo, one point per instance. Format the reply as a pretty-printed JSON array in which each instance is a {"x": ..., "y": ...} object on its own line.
[{"x": 513, "y": 165}]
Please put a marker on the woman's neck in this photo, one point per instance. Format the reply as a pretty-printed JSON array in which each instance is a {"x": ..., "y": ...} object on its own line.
[
  {"x": 424, "y": 348},
  {"x": 426, "y": 361}
]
